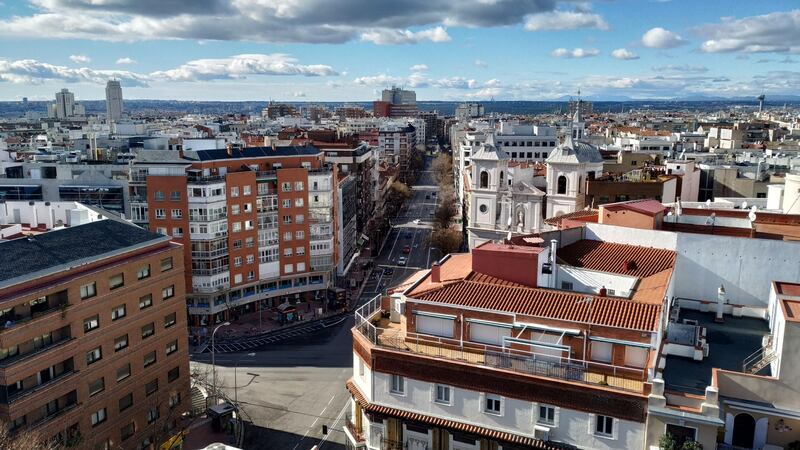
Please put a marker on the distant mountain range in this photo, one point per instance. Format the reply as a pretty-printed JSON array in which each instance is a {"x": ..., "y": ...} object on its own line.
[{"x": 618, "y": 103}]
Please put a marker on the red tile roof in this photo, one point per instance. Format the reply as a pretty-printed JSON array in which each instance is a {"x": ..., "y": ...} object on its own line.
[
  {"x": 589, "y": 215},
  {"x": 548, "y": 303},
  {"x": 647, "y": 206},
  {"x": 616, "y": 258},
  {"x": 449, "y": 424}
]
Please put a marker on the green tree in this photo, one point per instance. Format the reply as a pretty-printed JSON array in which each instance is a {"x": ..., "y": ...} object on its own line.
[{"x": 442, "y": 168}]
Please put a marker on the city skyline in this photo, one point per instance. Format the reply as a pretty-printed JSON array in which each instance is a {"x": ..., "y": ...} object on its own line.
[{"x": 349, "y": 51}]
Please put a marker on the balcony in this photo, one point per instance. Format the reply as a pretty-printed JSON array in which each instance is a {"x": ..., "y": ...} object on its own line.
[
  {"x": 203, "y": 179},
  {"x": 19, "y": 396},
  {"x": 358, "y": 436},
  {"x": 267, "y": 175},
  {"x": 30, "y": 312},
  {"x": 20, "y": 358},
  {"x": 393, "y": 336},
  {"x": 210, "y": 272}
]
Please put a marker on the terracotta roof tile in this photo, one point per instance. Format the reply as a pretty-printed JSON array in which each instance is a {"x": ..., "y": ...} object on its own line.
[
  {"x": 548, "y": 303},
  {"x": 614, "y": 258},
  {"x": 588, "y": 216},
  {"x": 456, "y": 267},
  {"x": 449, "y": 424}
]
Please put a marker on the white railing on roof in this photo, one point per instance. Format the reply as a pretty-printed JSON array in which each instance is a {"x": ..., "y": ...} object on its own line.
[{"x": 363, "y": 315}]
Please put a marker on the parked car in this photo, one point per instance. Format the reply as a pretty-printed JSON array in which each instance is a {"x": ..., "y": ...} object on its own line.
[
  {"x": 388, "y": 272},
  {"x": 401, "y": 261},
  {"x": 407, "y": 249}
]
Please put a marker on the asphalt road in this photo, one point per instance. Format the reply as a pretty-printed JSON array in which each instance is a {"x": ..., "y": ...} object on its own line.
[{"x": 291, "y": 388}]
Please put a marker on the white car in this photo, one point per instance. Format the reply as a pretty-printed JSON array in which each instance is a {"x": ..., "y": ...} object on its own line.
[
  {"x": 401, "y": 261},
  {"x": 416, "y": 221}
]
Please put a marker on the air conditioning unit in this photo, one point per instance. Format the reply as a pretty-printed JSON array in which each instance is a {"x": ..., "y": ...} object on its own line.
[{"x": 541, "y": 433}]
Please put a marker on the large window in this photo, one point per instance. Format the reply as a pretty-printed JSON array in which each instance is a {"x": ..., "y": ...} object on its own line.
[
  {"x": 118, "y": 312},
  {"x": 547, "y": 415},
  {"x": 484, "y": 179},
  {"x": 88, "y": 290},
  {"x": 443, "y": 394},
  {"x": 398, "y": 384},
  {"x": 116, "y": 281},
  {"x": 94, "y": 355},
  {"x": 562, "y": 185},
  {"x": 91, "y": 323},
  {"x": 604, "y": 426},
  {"x": 493, "y": 404},
  {"x": 98, "y": 417}
]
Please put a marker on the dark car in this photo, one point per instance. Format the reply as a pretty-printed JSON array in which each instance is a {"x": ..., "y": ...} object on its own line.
[{"x": 407, "y": 249}]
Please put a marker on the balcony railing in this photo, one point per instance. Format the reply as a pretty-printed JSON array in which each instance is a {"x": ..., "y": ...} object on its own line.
[
  {"x": 209, "y": 272},
  {"x": 351, "y": 427},
  {"x": 520, "y": 361},
  {"x": 202, "y": 179},
  {"x": 51, "y": 382},
  {"x": 20, "y": 358}
]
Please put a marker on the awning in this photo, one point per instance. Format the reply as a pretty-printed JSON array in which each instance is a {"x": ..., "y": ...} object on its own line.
[{"x": 620, "y": 342}]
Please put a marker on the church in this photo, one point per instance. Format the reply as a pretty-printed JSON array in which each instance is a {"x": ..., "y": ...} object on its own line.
[{"x": 501, "y": 196}]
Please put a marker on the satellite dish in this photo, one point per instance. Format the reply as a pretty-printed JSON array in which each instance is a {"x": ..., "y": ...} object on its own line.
[
  {"x": 744, "y": 204},
  {"x": 669, "y": 213},
  {"x": 708, "y": 203},
  {"x": 754, "y": 208},
  {"x": 752, "y": 216}
]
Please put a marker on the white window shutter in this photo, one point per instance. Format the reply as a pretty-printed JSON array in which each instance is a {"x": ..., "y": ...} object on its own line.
[
  {"x": 482, "y": 402},
  {"x": 592, "y": 418},
  {"x": 555, "y": 416},
  {"x": 502, "y": 406},
  {"x": 614, "y": 428},
  {"x": 433, "y": 391}
]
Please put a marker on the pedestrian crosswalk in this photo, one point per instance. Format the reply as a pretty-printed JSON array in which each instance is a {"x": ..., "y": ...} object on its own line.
[{"x": 244, "y": 343}]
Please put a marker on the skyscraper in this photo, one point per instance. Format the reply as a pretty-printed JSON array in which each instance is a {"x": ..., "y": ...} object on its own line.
[
  {"x": 113, "y": 101},
  {"x": 65, "y": 104}
]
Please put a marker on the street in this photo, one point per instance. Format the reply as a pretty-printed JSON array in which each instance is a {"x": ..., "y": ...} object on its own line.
[{"x": 291, "y": 388}]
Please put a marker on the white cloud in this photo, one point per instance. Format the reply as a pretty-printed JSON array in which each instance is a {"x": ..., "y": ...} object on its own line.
[
  {"x": 660, "y": 38},
  {"x": 31, "y": 71},
  {"x": 298, "y": 94},
  {"x": 457, "y": 83},
  {"x": 379, "y": 80},
  {"x": 126, "y": 60},
  {"x": 239, "y": 66},
  {"x": 574, "y": 53},
  {"x": 419, "y": 68},
  {"x": 480, "y": 63},
  {"x": 384, "y": 36},
  {"x": 565, "y": 20},
  {"x": 80, "y": 59},
  {"x": 775, "y": 32},
  {"x": 624, "y": 53},
  {"x": 685, "y": 68}
]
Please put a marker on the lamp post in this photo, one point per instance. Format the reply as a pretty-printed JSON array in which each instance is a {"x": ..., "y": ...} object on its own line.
[
  {"x": 213, "y": 365},
  {"x": 235, "y": 384}
]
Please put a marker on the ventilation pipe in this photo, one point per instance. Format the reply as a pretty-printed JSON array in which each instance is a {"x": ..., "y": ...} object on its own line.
[
  {"x": 50, "y": 219},
  {"x": 34, "y": 215},
  {"x": 553, "y": 263}
]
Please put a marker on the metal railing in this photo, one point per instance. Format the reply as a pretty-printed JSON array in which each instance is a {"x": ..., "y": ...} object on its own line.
[{"x": 515, "y": 360}]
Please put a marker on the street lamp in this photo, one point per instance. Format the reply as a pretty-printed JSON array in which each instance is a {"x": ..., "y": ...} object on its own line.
[
  {"x": 213, "y": 366},
  {"x": 235, "y": 384}
]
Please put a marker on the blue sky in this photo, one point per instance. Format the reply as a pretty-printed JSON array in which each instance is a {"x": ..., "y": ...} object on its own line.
[{"x": 340, "y": 50}]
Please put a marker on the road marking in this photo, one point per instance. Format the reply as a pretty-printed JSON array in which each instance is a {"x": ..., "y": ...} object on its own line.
[{"x": 333, "y": 426}]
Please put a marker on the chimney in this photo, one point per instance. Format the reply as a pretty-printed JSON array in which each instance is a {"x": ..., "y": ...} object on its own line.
[
  {"x": 603, "y": 292},
  {"x": 553, "y": 263},
  {"x": 436, "y": 272},
  {"x": 34, "y": 215},
  {"x": 721, "y": 299},
  {"x": 50, "y": 220}
]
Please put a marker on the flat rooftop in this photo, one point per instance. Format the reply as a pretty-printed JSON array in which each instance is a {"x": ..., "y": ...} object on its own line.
[
  {"x": 24, "y": 256},
  {"x": 729, "y": 344}
]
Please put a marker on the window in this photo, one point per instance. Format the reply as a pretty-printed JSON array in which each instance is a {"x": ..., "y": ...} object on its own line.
[
  {"x": 604, "y": 426},
  {"x": 148, "y": 330},
  {"x": 442, "y": 394},
  {"x": 98, "y": 417},
  {"x": 249, "y": 242},
  {"x": 172, "y": 347},
  {"x": 118, "y": 312},
  {"x": 173, "y": 374},
  {"x": 298, "y": 185},
  {"x": 287, "y": 203},
  {"x": 287, "y": 220},
  {"x": 116, "y": 281},
  {"x": 146, "y": 301},
  {"x": 126, "y": 402},
  {"x": 566, "y": 285},
  {"x": 398, "y": 384},
  {"x": 287, "y": 251},
  {"x": 298, "y": 202},
  {"x": 602, "y": 351},
  {"x": 177, "y": 214},
  {"x": 166, "y": 264},
  {"x": 300, "y": 234},
  {"x": 301, "y": 267},
  {"x": 174, "y": 399},
  {"x": 149, "y": 359},
  {"x": 562, "y": 185},
  {"x": 127, "y": 431},
  {"x": 97, "y": 386},
  {"x": 168, "y": 292},
  {"x": 175, "y": 195},
  {"x": 484, "y": 179},
  {"x": 159, "y": 195},
  {"x": 360, "y": 367},
  {"x": 169, "y": 320},
  {"x": 151, "y": 387},
  {"x": 152, "y": 416},
  {"x": 236, "y": 227},
  {"x": 288, "y": 268},
  {"x": 120, "y": 343},
  {"x": 161, "y": 213},
  {"x": 94, "y": 355},
  {"x": 286, "y": 187},
  {"x": 237, "y": 261},
  {"x": 300, "y": 218},
  {"x": 235, "y": 210},
  {"x": 123, "y": 372},
  {"x": 88, "y": 290},
  {"x": 143, "y": 272},
  {"x": 177, "y": 232},
  {"x": 547, "y": 415},
  {"x": 246, "y": 190},
  {"x": 91, "y": 323},
  {"x": 234, "y": 191},
  {"x": 300, "y": 251},
  {"x": 287, "y": 236},
  {"x": 493, "y": 404}
]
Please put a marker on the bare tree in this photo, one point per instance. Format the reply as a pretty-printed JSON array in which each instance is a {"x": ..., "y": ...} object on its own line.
[
  {"x": 25, "y": 439},
  {"x": 447, "y": 240}
]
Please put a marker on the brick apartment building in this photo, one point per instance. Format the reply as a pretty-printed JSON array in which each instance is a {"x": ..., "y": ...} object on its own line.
[
  {"x": 93, "y": 346},
  {"x": 257, "y": 223}
]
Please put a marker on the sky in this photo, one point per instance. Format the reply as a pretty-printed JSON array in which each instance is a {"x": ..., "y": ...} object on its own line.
[{"x": 349, "y": 50}]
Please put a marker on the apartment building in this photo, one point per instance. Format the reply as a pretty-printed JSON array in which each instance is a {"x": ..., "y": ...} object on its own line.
[
  {"x": 93, "y": 341},
  {"x": 257, "y": 223},
  {"x": 528, "y": 344},
  {"x": 395, "y": 142}
]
